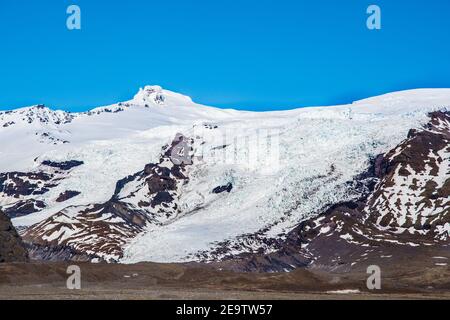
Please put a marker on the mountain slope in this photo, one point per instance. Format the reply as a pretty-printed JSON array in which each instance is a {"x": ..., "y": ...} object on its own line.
[
  {"x": 390, "y": 220},
  {"x": 11, "y": 247},
  {"x": 99, "y": 231},
  {"x": 250, "y": 180}
]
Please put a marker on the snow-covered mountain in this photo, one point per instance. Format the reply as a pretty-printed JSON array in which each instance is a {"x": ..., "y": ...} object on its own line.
[{"x": 161, "y": 178}]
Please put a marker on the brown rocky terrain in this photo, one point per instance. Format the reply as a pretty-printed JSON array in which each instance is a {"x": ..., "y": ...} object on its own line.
[{"x": 11, "y": 245}]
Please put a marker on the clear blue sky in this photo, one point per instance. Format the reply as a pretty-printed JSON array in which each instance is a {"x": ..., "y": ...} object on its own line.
[{"x": 247, "y": 54}]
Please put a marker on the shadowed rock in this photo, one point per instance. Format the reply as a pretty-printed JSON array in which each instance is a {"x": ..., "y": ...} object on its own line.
[{"x": 11, "y": 246}]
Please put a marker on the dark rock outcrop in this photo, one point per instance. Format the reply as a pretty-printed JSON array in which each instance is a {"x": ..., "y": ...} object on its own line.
[
  {"x": 69, "y": 194},
  {"x": 66, "y": 165},
  {"x": 21, "y": 191},
  {"x": 23, "y": 208},
  {"x": 11, "y": 246},
  {"x": 226, "y": 188}
]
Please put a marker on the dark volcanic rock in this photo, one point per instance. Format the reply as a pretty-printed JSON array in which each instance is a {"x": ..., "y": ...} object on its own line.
[
  {"x": 67, "y": 195},
  {"x": 23, "y": 208},
  {"x": 67, "y": 165},
  {"x": 100, "y": 231},
  {"x": 228, "y": 187},
  {"x": 21, "y": 191},
  {"x": 11, "y": 246},
  {"x": 17, "y": 184}
]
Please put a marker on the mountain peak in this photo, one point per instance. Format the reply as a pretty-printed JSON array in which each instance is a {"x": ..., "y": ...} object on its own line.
[
  {"x": 34, "y": 114},
  {"x": 156, "y": 95},
  {"x": 150, "y": 94}
]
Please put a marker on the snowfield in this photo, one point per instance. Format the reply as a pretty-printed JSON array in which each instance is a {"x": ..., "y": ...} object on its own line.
[{"x": 283, "y": 166}]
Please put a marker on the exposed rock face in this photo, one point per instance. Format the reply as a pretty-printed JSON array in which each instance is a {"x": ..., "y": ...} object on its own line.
[
  {"x": 20, "y": 192},
  {"x": 69, "y": 194},
  {"x": 18, "y": 184},
  {"x": 11, "y": 246},
  {"x": 67, "y": 165},
  {"x": 226, "y": 188},
  {"x": 23, "y": 208},
  {"x": 413, "y": 196},
  {"x": 100, "y": 231},
  {"x": 407, "y": 210}
]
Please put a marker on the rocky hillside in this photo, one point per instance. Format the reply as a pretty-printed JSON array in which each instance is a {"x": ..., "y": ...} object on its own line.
[
  {"x": 404, "y": 210},
  {"x": 11, "y": 247},
  {"x": 100, "y": 231},
  {"x": 160, "y": 178}
]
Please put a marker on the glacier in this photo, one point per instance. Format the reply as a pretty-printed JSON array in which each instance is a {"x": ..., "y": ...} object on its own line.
[{"x": 319, "y": 151}]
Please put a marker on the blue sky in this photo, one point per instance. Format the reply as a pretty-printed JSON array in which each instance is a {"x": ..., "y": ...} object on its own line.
[{"x": 247, "y": 54}]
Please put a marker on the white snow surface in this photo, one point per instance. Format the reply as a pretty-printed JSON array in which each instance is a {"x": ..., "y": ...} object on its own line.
[{"x": 314, "y": 152}]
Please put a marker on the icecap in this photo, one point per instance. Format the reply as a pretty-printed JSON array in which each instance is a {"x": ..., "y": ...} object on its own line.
[{"x": 318, "y": 150}]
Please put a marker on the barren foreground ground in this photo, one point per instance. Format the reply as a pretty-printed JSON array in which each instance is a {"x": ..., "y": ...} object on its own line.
[{"x": 165, "y": 281}]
